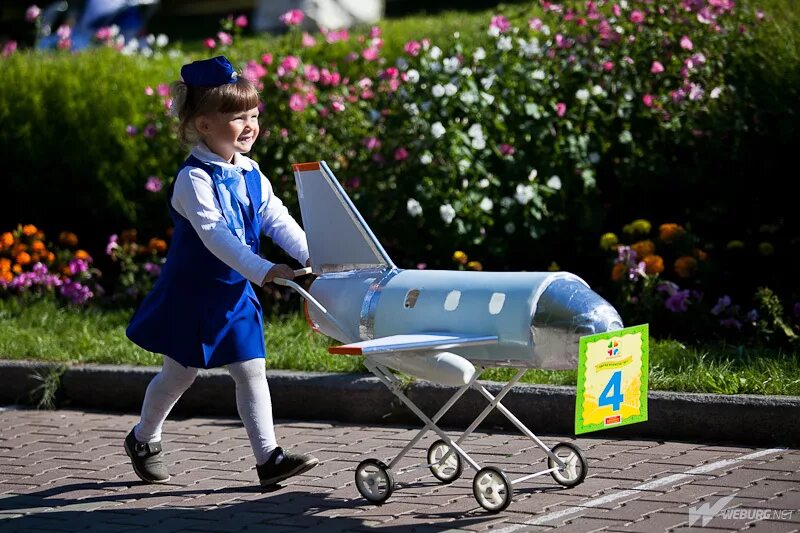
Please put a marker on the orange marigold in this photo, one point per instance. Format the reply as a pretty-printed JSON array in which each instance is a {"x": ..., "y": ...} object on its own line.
[
  {"x": 157, "y": 245},
  {"x": 669, "y": 232},
  {"x": 129, "y": 235},
  {"x": 6, "y": 276},
  {"x": 644, "y": 248},
  {"x": 5, "y": 264},
  {"x": 653, "y": 264},
  {"x": 38, "y": 246},
  {"x": 23, "y": 258},
  {"x": 460, "y": 257},
  {"x": 18, "y": 249},
  {"x": 474, "y": 265},
  {"x": 6, "y": 240},
  {"x": 34, "y": 257},
  {"x": 83, "y": 255},
  {"x": 700, "y": 254},
  {"x": 29, "y": 229},
  {"x": 16, "y": 269},
  {"x": 67, "y": 238},
  {"x": 685, "y": 266},
  {"x": 618, "y": 272}
]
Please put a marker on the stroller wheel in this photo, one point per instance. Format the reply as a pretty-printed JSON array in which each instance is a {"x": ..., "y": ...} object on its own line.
[
  {"x": 492, "y": 489},
  {"x": 449, "y": 470},
  {"x": 374, "y": 480},
  {"x": 575, "y": 467}
]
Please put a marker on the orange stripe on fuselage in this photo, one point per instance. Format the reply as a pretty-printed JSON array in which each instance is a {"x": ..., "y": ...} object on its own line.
[
  {"x": 344, "y": 350},
  {"x": 300, "y": 167}
]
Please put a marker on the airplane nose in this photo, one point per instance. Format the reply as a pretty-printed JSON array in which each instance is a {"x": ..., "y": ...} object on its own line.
[{"x": 565, "y": 312}]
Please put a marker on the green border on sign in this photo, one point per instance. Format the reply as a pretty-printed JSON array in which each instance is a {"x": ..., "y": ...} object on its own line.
[{"x": 642, "y": 417}]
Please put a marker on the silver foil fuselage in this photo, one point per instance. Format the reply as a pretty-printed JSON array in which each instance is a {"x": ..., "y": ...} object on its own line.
[{"x": 538, "y": 317}]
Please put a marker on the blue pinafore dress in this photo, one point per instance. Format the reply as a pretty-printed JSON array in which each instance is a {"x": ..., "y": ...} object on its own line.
[{"x": 201, "y": 312}]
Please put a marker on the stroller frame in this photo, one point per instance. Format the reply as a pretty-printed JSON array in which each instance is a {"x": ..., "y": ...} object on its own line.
[{"x": 492, "y": 487}]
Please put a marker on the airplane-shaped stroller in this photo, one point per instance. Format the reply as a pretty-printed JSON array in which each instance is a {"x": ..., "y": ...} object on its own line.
[{"x": 440, "y": 326}]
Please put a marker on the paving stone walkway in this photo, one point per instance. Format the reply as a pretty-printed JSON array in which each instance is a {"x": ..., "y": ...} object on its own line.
[{"x": 66, "y": 471}]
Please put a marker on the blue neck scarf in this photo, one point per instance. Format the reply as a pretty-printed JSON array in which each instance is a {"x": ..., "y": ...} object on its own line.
[{"x": 232, "y": 192}]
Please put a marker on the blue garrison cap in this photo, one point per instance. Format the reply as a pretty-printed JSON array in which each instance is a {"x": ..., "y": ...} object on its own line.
[{"x": 209, "y": 72}]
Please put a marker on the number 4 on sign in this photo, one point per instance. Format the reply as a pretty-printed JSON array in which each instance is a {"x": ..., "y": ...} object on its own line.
[{"x": 612, "y": 393}]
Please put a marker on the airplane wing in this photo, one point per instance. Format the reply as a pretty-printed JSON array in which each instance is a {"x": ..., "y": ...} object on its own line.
[{"x": 413, "y": 343}]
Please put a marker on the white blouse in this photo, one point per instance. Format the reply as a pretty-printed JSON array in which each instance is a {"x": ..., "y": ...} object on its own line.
[{"x": 194, "y": 199}]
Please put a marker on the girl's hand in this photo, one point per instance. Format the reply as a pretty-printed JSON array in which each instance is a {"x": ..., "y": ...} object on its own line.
[{"x": 278, "y": 271}]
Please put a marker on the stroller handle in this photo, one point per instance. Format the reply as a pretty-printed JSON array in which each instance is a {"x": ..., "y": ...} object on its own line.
[{"x": 311, "y": 300}]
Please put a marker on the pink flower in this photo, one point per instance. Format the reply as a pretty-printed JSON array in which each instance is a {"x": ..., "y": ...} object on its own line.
[
  {"x": 253, "y": 71},
  {"x": 9, "y": 48},
  {"x": 372, "y": 143},
  {"x": 334, "y": 36},
  {"x": 266, "y": 59},
  {"x": 311, "y": 73},
  {"x": 500, "y": 22},
  {"x": 647, "y": 99},
  {"x": 64, "y": 32},
  {"x": 148, "y": 91},
  {"x": 535, "y": 24},
  {"x": 507, "y": 149},
  {"x": 412, "y": 48},
  {"x": 112, "y": 244},
  {"x": 374, "y": 32},
  {"x": 290, "y": 63},
  {"x": 293, "y": 17},
  {"x": 32, "y": 13},
  {"x": 637, "y": 17},
  {"x": 617, "y": 10},
  {"x": 308, "y": 41},
  {"x": 162, "y": 89},
  {"x": 686, "y": 43},
  {"x": 370, "y": 54},
  {"x": 241, "y": 21},
  {"x": 225, "y": 39},
  {"x": 210, "y": 43},
  {"x": 103, "y": 33},
  {"x": 337, "y": 106},
  {"x": 131, "y": 130},
  {"x": 297, "y": 102},
  {"x": 153, "y": 184},
  {"x": 608, "y": 66},
  {"x": 400, "y": 154},
  {"x": 561, "y": 109},
  {"x": 390, "y": 73},
  {"x": 657, "y": 68},
  {"x": 330, "y": 78}
]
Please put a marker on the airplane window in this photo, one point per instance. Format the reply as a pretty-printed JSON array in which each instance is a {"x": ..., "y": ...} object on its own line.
[
  {"x": 411, "y": 298},
  {"x": 496, "y": 303},
  {"x": 451, "y": 302}
]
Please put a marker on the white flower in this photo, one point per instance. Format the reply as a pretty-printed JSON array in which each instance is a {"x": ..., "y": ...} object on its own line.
[
  {"x": 619, "y": 29},
  {"x": 435, "y": 52},
  {"x": 150, "y": 39},
  {"x": 487, "y": 82},
  {"x": 412, "y": 76},
  {"x": 532, "y": 175},
  {"x": 401, "y": 63},
  {"x": 696, "y": 92},
  {"x": 450, "y": 89},
  {"x": 162, "y": 40},
  {"x": 715, "y": 92},
  {"x": 426, "y": 158},
  {"x": 412, "y": 109},
  {"x": 625, "y": 137},
  {"x": 510, "y": 228},
  {"x": 113, "y": 30},
  {"x": 486, "y": 204},
  {"x": 506, "y": 202},
  {"x": 413, "y": 207},
  {"x": 479, "y": 54},
  {"x": 494, "y": 31},
  {"x": 469, "y": 97},
  {"x": 475, "y": 131},
  {"x": 488, "y": 97},
  {"x": 483, "y": 183},
  {"x": 437, "y": 91},
  {"x": 594, "y": 158},
  {"x": 479, "y": 143},
  {"x": 504, "y": 43},
  {"x": 554, "y": 183},
  {"x": 529, "y": 49},
  {"x": 466, "y": 72},
  {"x": 538, "y": 74},
  {"x": 582, "y": 95},
  {"x": 598, "y": 91},
  {"x": 451, "y": 64},
  {"x": 146, "y": 52},
  {"x": 437, "y": 130},
  {"x": 435, "y": 66},
  {"x": 465, "y": 181},
  {"x": 524, "y": 193},
  {"x": 447, "y": 213},
  {"x": 628, "y": 95},
  {"x": 463, "y": 166},
  {"x": 545, "y": 30}
]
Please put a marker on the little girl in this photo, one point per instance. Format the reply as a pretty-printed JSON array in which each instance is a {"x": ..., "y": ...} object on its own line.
[{"x": 202, "y": 311}]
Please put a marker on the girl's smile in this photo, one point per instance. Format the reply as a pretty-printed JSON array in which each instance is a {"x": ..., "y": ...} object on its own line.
[{"x": 227, "y": 134}]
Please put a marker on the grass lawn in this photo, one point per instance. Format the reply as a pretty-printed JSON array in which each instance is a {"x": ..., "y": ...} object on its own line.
[{"x": 43, "y": 330}]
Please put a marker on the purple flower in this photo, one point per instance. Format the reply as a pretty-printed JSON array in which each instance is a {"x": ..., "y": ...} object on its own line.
[
  {"x": 112, "y": 244},
  {"x": 730, "y": 322},
  {"x": 131, "y": 130},
  {"x": 722, "y": 304},
  {"x": 76, "y": 266},
  {"x": 150, "y": 131},
  {"x": 637, "y": 271},
  {"x": 752, "y": 316},
  {"x": 75, "y": 292},
  {"x": 678, "y": 302},
  {"x": 152, "y": 269},
  {"x": 668, "y": 286},
  {"x": 153, "y": 184}
]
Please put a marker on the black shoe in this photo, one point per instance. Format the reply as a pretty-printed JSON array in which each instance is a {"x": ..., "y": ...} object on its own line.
[
  {"x": 282, "y": 465},
  {"x": 147, "y": 459}
]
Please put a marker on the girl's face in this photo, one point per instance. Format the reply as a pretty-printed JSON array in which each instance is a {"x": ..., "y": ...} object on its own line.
[{"x": 229, "y": 133}]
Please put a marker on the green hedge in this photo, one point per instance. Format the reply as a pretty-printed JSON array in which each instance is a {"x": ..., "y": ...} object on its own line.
[{"x": 717, "y": 164}]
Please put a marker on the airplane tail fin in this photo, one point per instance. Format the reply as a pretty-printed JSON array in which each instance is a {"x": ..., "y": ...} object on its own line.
[{"x": 338, "y": 237}]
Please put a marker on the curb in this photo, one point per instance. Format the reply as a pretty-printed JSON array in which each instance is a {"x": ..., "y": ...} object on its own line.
[{"x": 362, "y": 398}]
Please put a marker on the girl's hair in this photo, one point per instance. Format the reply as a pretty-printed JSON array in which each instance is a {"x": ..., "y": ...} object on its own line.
[{"x": 191, "y": 101}]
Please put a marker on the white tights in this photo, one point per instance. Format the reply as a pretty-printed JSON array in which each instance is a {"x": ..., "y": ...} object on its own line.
[{"x": 252, "y": 401}]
